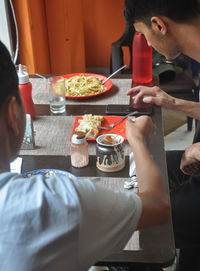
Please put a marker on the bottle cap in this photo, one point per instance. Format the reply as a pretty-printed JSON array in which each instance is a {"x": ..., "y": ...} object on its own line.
[
  {"x": 78, "y": 138},
  {"x": 22, "y": 74}
]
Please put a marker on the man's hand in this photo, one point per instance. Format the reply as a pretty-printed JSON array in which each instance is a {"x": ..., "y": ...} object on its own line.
[
  {"x": 190, "y": 161},
  {"x": 151, "y": 95},
  {"x": 141, "y": 128}
]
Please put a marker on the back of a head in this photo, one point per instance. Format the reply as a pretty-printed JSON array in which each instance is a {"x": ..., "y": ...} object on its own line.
[
  {"x": 8, "y": 76},
  {"x": 181, "y": 11}
]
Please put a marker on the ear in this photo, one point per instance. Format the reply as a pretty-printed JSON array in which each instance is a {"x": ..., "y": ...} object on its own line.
[
  {"x": 158, "y": 25},
  {"x": 13, "y": 115}
]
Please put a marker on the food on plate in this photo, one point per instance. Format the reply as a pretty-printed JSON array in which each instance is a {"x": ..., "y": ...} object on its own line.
[
  {"x": 110, "y": 140},
  {"x": 81, "y": 85},
  {"x": 90, "y": 125}
]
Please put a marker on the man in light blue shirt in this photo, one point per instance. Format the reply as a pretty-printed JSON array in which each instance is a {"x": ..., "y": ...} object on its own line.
[{"x": 62, "y": 223}]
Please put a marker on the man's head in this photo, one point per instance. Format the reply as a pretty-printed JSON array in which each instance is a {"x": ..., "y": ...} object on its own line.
[
  {"x": 163, "y": 22},
  {"x": 12, "y": 115},
  {"x": 177, "y": 10},
  {"x": 8, "y": 76}
]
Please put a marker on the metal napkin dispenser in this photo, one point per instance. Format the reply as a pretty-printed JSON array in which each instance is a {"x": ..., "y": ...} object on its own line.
[{"x": 29, "y": 140}]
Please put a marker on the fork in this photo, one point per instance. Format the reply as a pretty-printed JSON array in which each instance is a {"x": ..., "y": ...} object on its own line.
[{"x": 113, "y": 124}]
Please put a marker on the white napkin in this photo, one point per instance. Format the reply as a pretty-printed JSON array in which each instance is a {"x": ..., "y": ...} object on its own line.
[
  {"x": 132, "y": 173},
  {"x": 15, "y": 166}
]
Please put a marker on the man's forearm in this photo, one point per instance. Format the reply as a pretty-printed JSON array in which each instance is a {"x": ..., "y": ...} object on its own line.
[
  {"x": 152, "y": 188},
  {"x": 191, "y": 109},
  {"x": 149, "y": 176}
]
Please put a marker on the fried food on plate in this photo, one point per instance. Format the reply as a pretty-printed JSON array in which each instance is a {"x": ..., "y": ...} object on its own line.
[{"x": 90, "y": 125}]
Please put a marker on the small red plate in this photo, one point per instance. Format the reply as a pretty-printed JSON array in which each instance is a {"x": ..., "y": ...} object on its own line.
[
  {"x": 108, "y": 84},
  {"x": 119, "y": 128}
]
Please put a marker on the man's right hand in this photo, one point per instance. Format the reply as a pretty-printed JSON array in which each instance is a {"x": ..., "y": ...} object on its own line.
[
  {"x": 141, "y": 128},
  {"x": 151, "y": 95}
]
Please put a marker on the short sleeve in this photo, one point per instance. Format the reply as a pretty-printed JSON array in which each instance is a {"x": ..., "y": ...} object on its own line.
[{"x": 108, "y": 219}]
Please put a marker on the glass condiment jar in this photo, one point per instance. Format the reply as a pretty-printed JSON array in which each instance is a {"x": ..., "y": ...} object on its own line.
[{"x": 79, "y": 150}]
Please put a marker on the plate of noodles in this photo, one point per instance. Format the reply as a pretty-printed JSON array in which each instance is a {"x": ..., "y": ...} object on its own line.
[{"x": 85, "y": 85}]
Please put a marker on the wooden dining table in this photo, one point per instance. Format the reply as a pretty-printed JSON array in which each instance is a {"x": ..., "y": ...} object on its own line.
[{"x": 153, "y": 246}]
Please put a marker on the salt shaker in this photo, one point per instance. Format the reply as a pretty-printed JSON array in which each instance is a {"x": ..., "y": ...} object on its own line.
[{"x": 79, "y": 150}]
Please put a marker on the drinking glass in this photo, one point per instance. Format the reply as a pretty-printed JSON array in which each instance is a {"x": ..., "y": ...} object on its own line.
[{"x": 56, "y": 88}]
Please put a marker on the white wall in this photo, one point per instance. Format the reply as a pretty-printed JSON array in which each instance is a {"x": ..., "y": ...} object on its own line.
[{"x": 5, "y": 31}]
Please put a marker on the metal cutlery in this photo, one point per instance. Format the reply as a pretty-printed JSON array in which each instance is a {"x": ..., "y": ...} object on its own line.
[
  {"x": 103, "y": 82},
  {"x": 113, "y": 124},
  {"x": 41, "y": 76}
]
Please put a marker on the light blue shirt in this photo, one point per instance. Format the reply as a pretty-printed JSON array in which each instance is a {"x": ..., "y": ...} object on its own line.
[{"x": 61, "y": 224}]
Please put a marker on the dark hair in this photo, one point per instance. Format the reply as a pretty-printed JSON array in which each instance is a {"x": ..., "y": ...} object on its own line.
[
  {"x": 177, "y": 10},
  {"x": 8, "y": 76}
]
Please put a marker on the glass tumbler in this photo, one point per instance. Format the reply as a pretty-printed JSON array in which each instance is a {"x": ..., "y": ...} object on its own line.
[{"x": 56, "y": 88}]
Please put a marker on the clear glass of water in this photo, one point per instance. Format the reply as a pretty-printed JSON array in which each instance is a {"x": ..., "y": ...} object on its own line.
[{"x": 56, "y": 88}]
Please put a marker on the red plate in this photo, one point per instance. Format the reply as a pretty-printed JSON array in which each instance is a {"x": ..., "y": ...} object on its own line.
[
  {"x": 108, "y": 84},
  {"x": 119, "y": 128}
]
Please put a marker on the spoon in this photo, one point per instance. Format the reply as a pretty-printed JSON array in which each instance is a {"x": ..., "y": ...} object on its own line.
[
  {"x": 41, "y": 76},
  {"x": 103, "y": 82}
]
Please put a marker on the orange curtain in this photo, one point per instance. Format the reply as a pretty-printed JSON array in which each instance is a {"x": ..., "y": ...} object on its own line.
[
  {"x": 33, "y": 38},
  {"x": 65, "y": 36},
  {"x": 103, "y": 24},
  {"x": 51, "y": 36}
]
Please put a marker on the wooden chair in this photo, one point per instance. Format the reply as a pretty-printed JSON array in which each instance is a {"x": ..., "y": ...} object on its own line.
[{"x": 117, "y": 60}]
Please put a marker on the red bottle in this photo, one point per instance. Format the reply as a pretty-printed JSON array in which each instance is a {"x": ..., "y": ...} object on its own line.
[
  {"x": 142, "y": 66},
  {"x": 25, "y": 88},
  {"x": 142, "y": 60}
]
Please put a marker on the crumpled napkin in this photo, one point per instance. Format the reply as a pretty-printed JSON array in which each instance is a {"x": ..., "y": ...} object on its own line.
[
  {"x": 132, "y": 173},
  {"x": 15, "y": 166}
]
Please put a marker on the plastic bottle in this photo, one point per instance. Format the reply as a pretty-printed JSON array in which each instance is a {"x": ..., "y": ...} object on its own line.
[
  {"x": 142, "y": 60},
  {"x": 142, "y": 66},
  {"x": 25, "y": 88},
  {"x": 79, "y": 150}
]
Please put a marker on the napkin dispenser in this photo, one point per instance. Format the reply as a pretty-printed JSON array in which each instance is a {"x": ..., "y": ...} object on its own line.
[{"x": 28, "y": 141}]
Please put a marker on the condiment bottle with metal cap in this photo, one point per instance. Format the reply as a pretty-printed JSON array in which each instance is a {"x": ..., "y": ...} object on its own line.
[
  {"x": 25, "y": 88},
  {"x": 79, "y": 150}
]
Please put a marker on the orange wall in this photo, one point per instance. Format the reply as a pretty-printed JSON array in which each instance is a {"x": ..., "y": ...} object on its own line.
[{"x": 66, "y": 36}]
